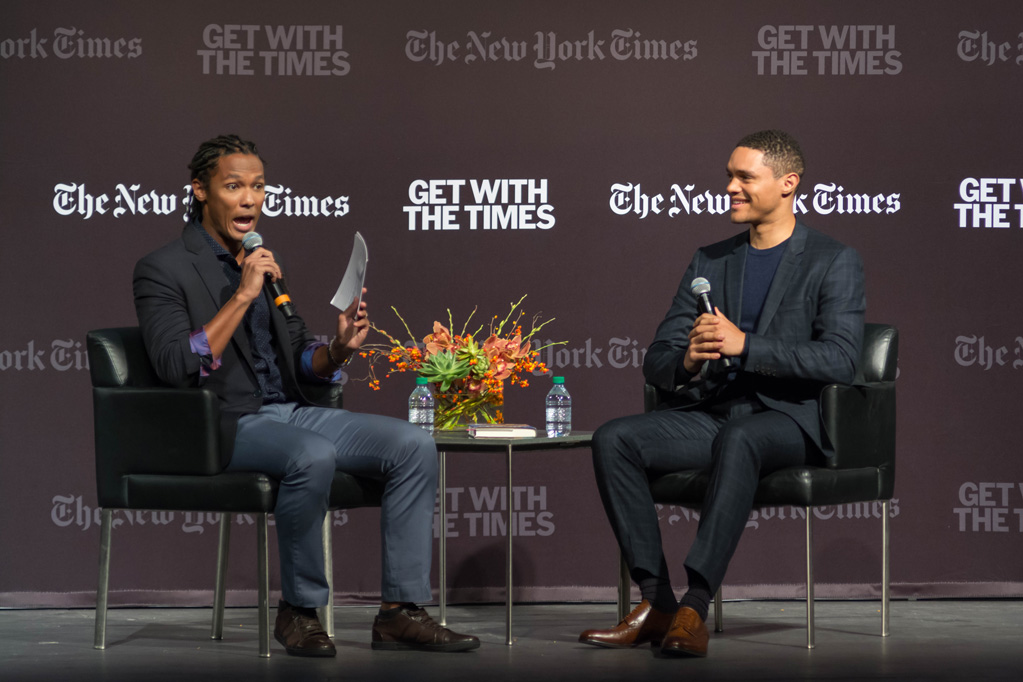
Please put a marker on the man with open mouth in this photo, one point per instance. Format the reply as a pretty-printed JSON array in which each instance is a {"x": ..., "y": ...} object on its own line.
[{"x": 208, "y": 321}]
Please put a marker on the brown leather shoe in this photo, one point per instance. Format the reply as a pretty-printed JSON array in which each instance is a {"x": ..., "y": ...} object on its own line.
[
  {"x": 299, "y": 634},
  {"x": 644, "y": 624},
  {"x": 688, "y": 635},
  {"x": 412, "y": 628}
]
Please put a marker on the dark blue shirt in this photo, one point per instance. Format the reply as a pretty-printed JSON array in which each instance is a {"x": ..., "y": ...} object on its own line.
[
  {"x": 761, "y": 264},
  {"x": 758, "y": 273},
  {"x": 256, "y": 324}
]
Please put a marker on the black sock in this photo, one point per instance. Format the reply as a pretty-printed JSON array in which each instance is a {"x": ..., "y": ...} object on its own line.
[
  {"x": 394, "y": 611},
  {"x": 308, "y": 612},
  {"x": 657, "y": 591},
  {"x": 698, "y": 596}
]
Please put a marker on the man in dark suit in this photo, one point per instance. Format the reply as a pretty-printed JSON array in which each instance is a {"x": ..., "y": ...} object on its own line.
[
  {"x": 745, "y": 379},
  {"x": 208, "y": 321}
]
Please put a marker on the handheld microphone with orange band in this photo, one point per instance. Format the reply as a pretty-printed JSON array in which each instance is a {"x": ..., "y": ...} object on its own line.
[{"x": 278, "y": 291}]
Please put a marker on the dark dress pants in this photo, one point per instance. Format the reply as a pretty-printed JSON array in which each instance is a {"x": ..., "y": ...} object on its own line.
[
  {"x": 302, "y": 446},
  {"x": 737, "y": 444}
]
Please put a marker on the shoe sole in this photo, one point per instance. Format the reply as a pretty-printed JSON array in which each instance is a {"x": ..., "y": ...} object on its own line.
[
  {"x": 404, "y": 646},
  {"x": 608, "y": 645},
  {"x": 306, "y": 653},
  {"x": 683, "y": 653}
]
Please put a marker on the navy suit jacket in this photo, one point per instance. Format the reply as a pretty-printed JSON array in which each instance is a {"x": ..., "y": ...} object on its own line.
[
  {"x": 810, "y": 331},
  {"x": 178, "y": 289}
]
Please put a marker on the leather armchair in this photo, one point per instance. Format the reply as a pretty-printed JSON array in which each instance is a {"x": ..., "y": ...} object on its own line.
[
  {"x": 859, "y": 420},
  {"x": 160, "y": 448}
]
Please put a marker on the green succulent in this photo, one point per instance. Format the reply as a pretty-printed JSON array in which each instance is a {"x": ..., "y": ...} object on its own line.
[
  {"x": 444, "y": 369},
  {"x": 475, "y": 357}
]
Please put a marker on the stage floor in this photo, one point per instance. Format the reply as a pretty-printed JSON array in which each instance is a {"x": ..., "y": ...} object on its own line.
[{"x": 763, "y": 640}]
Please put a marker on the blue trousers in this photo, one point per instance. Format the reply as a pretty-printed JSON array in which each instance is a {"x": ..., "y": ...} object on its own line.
[
  {"x": 737, "y": 445},
  {"x": 302, "y": 446}
]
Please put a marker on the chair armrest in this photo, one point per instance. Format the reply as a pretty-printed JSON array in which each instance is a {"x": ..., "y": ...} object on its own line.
[
  {"x": 653, "y": 396},
  {"x": 157, "y": 431},
  {"x": 859, "y": 421},
  {"x": 324, "y": 395}
]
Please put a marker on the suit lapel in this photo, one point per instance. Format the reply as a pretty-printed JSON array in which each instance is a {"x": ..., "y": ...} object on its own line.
[{"x": 783, "y": 277}]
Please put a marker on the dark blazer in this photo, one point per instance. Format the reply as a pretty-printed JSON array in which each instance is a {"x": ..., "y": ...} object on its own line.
[
  {"x": 178, "y": 289},
  {"x": 809, "y": 334}
]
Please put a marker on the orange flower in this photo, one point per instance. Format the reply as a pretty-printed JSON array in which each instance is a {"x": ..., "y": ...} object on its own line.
[
  {"x": 504, "y": 354},
  {"x": 439, "y": 340},
  {"x": 478, "y": 395}
]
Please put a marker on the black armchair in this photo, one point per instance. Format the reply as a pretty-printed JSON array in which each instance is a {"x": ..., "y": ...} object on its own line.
[
  {"x": 859, "y": 420},
  {"x": 161, "y": 448}
]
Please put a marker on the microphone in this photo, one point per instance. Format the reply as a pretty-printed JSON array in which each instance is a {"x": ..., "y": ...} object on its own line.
[
  {"x": 278, "y": 292},
  {"x": 701, "y": 289}
]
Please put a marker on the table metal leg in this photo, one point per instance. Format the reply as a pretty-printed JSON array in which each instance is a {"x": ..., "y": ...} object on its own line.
[
  {"x": 442, "y": 588},
  {"x": 508, "y": 527}
]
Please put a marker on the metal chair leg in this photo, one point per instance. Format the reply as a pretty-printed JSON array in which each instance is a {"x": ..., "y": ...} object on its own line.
[
  {"x": 220, "y": 584},
  {"x": 102, "y": 590},
  {"x": 885, "y": 575},
  {"x": 719, "y": 612},
  {"x": 809, "y": 578},
  {"x": 327, "y": 612},
  {"x": 262, "y": 569},
  {"x": 624, "y": 586}
]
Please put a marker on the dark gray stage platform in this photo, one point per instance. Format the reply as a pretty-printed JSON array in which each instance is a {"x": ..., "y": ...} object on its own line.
[{"x": 931, "y": 640}]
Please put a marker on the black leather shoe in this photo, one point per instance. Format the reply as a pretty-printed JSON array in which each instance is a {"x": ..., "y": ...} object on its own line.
[
  {"x": 644, "y": 625},
  {"x": 410, "y": 627},
  {"x": 301, "y": 634}
]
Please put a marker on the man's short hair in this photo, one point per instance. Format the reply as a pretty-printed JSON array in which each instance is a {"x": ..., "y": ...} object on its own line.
[
  {"x": 781, "y": 151},
  {"x": 206, "y": 159}
]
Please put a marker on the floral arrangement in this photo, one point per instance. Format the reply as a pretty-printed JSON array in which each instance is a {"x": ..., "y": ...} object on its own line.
[{"x": 468, "y": 375}]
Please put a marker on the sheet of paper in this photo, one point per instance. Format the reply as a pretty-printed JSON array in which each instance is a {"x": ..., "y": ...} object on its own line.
[{"x": 350, "y": 288}]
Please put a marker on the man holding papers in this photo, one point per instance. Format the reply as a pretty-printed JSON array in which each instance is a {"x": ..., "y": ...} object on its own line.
[{"x": 208, "y": 321}]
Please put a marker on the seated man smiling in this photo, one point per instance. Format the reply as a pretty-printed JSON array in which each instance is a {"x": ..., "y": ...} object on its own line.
[{"x": 746, "y": 379}]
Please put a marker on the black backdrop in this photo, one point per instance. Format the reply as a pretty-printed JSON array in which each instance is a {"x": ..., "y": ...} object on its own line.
[{"x": 908, "y": 114}]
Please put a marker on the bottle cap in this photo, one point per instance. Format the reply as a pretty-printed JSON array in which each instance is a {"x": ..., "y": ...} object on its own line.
[
  {"x": 421, "y": 381},
  {"x": 559, "y": 380}
]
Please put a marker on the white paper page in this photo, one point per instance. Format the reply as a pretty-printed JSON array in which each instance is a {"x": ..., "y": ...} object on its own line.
[{"x": 350, "y": 288}]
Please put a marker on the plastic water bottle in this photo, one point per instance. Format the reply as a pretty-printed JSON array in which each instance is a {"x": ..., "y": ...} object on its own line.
[
  {"x": 420, "y": 405},
  {"x": 559, "y": 410}
]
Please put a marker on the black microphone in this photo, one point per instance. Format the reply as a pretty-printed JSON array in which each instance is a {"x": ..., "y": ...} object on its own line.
[
  {"x": 278, "y": 292},
  {"x": 701, "y": 289}
]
